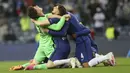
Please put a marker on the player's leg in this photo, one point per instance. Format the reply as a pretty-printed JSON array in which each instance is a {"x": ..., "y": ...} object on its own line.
[
  {"x": 109, "y": 57},
  {"x": 41, "y": 55},
  {"x": 44, "y": 50},
  {"x": 20, "y": 67},
  {"x": 62, "y": 51},
  {"x": 51, "y": 64},
  {"x": 84, "y": 52},
  {"x": 38, "y": 58},
  {"x": 57, "y": 56},
  {"x": 37, "y": 65},
  {"x": 55, "y": 59}
]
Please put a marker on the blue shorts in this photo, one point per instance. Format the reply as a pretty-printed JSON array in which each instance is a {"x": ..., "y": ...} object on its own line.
[
  {"x": 83, "y": 51},
  {"x": 62, "y": 49}
]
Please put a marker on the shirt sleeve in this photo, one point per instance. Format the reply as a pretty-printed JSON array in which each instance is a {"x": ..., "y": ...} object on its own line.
[
  {"x": 57, "y": 26},
  {"x": 53, "y": 20},
  {"x": 83, "y": 32},
  {"x": 62, "y": 32}
]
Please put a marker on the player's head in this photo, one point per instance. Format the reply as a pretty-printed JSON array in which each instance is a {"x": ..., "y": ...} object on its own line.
[
  {"x": 59, "y": 10},
  {"x": 35, "y": 11}
]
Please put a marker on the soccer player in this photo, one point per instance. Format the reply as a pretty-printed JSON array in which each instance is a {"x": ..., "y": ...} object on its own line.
[
  {"x": 46, "y": 45},
  {"x": 84, "y": 44},
  {"x": 61, "y": 51}
]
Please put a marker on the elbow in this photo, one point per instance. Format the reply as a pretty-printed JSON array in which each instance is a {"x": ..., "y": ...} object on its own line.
[{"x": 63, "y": 33}]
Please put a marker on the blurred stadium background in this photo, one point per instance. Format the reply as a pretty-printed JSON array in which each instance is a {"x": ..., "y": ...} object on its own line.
[{"x": 18, "y": 36}]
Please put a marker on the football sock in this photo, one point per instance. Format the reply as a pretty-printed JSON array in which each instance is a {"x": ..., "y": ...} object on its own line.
[
  {"x": 60, "y": 62},
  {"x": 97, "y": 60}
]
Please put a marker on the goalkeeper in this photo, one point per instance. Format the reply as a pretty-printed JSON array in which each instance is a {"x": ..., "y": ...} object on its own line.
[{"x": 46, "y": 44}]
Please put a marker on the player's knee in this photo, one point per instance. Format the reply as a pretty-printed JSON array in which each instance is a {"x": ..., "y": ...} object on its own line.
[{"x": 85, "y": 65}]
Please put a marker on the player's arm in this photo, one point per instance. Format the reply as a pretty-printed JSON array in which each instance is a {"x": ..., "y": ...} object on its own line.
[
  {"x": 60, "y": 24},
  {"x": 62, "y": 32},
  {"x": 54, "y": 16},
  {"x": 83, "y": 32},
  {"x": 46, "y": 22},
  {"x": 52, "y": 19}
]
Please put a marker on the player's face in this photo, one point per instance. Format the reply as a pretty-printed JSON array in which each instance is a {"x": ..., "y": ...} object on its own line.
[
  {"x": 55, "y": 10},
  {"x": 38, "y": 9}
]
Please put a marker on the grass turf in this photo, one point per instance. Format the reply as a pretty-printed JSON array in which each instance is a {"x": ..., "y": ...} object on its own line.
[{"x": 123, "y": 66}]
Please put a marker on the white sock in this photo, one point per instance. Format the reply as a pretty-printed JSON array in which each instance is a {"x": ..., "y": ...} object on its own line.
[
  {"x": 97, "y": 60},
  {"x": 97, "y": 55},
  {"x": 60, "y": 62}
]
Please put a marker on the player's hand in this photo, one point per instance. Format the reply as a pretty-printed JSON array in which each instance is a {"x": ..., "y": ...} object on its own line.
[
  {"x": 67, "y": 17},
  {"x": 74, "y": 35},
  {"x": 54, "y": 16},
  {"x": 45, "y": 30}
]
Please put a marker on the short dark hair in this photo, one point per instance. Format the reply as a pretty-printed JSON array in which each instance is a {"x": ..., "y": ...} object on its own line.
[
  {"x": 62, "y": 9},
  {"x": 32, "y": 13}
]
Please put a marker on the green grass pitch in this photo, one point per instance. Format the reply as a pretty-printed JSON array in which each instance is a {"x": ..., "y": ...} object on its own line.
[{"x": 123, "y": 66}]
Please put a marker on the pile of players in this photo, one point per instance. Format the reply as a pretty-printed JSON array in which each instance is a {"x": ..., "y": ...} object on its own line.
[{"x": 53, "y": 44}]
